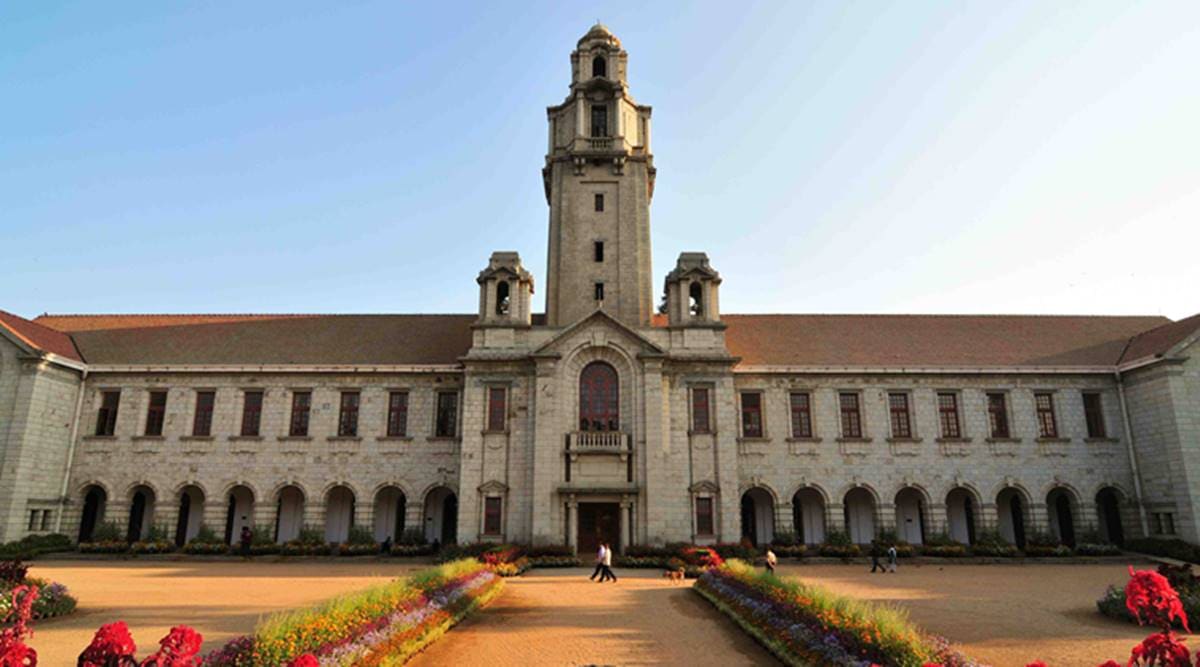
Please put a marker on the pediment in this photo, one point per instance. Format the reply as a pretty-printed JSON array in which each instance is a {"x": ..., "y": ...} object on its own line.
[
  {"x": 493, "y": 487},
  {"x": 704, "y": 487},
  {"x": 599, "y": 329}
]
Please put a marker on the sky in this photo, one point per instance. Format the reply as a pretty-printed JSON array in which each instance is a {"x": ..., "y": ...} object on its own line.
[{"x": 830, "y": 157}]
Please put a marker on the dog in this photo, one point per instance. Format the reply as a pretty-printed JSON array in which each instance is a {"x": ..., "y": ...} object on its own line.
[{"x": 674, "y": 575}]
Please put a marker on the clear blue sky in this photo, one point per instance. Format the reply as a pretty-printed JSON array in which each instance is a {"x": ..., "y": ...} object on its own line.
[{"x": 958, "y": 157}]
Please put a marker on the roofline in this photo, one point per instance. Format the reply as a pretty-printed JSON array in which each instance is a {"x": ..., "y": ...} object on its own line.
[
  {"x": 275, "y": 368},
  {"x": 924, "y": 370}
]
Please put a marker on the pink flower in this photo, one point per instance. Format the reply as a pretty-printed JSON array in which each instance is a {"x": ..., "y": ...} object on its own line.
[
  {"x": 178, "y": 649},
  {"x": 306, "y": 660}
]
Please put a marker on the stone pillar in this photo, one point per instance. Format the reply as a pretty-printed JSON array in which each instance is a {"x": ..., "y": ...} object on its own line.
[
  {"x": 783, "y": 519},
  {"x": 263, "y": 514},
  {"x": 314, "y": 514},
  {"x": 1039, "y": 519},
  {"x": 626, "y": 507},
  {"x": 573, "y": 524},
  {"x": 937, "y": 519},
  {"x": 835, "y": 518},
  {"x": 886, "y": 519},
  {"x": 987, "y": 517},
  {"x": 364, "y": 515},
  {"x": 166, "y": 517},
  {"x": 216, "y": 511}
]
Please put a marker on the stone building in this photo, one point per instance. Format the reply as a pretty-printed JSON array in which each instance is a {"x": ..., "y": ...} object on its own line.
[{"x": 601, "y": 418}]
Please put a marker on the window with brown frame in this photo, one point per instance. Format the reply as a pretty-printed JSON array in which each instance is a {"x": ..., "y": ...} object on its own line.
[
  {"x": 106, "y": 418},
  {"x": 1094, "y": 415},
  {"x": 851, "y": 417},
  {"x": 997, "y": 404},
  {"x": 397, "y": 425},
  {"x": 948, "y": 414},
  {"x": 497, "y": 409},
  {"x": 901, "y": 419},
  {"x": 491, "y": 515},
  {"x": 599, "y": 203},
  {"x": 252, "y": 402},
  {"x": 704, "y": 516},
  {"x": 348, "y": 415},
  {"x": 700, "y": 416},
  {"x": 301, "y": 407},
  {"x": 752, "y": 422},
  {"x": 801, "y": 405},
  {"x": 1047, "y": 424},
  {"x": 599, "y": 120},
  {"x": 156, "y": 413},
  {"x": 446, "y": 421},
  {"x": 202, "y": 420}
]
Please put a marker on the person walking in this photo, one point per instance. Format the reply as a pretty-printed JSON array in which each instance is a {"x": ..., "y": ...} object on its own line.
[
  {"x": 892, "y": 557},
  {"x": 607, "y": 564},
  {"x": 599, "y": 565},
  {"x": 876, "y": 566},
  {"x": 245, "y": 538},
  {"x": 771, "y": 561}
]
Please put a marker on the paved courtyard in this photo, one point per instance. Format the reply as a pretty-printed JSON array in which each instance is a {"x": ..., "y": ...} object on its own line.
[
  {"x": 1001, "y": 614},
  {"x": 220, "y": 599}
]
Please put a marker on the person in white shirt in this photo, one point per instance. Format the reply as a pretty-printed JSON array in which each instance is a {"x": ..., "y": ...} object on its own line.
[
  {"x": 607, "y": 573},
  {"x": 599, "y": 564},
  {"x": 771, "y": 561}
]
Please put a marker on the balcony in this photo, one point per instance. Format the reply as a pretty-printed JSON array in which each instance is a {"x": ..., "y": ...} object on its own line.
[{"x": 615, "y": 442}]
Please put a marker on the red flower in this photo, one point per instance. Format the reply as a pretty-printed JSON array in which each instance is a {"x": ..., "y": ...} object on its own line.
[
  {"x": 111, "y": 643},
  {"x": 13, "y": 651},
  {"x": 1151, "y": 600},
  {"x": 306, "y": 660},
  {"x": 1161, "y": 649},
  {"x": 178, "y": 649},
  {"x": 1036, "y": 663},
  {"x": 1110, "y": 663}
]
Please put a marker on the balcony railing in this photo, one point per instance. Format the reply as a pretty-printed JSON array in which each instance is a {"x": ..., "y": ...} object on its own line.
[
  {"x": 600, "y": 143},
  {"x": 613, "y": 441}
]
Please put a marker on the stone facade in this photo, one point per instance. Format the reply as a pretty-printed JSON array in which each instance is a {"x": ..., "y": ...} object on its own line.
[{"x": 602, "y": 420}]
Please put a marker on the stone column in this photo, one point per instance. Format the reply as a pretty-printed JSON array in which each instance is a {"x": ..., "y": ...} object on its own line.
[
  {"x": 835, "y": 518},
  {"x": 937, "y": 519},
  {"x": 987, "y": 517},
  {"x": 626, "y": 506},
  {"x": 573, "y": 524},
  {"x": 783, "y": 519}
]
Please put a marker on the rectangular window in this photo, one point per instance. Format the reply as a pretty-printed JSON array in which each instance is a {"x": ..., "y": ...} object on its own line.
[
  {"x": 156, "y": 413},
  {"x": 599, "y": 202},
  {"x": 348, "y": 415},
  {"x": 1047, "y": 425},
  {"x": 997, "y": 405},
  {"x": 599, "y": 120},
  {"x": 801, "y": 404},
  {"x": 1162, "y": 523},
  {"x": 46, "y": 519},
  {"x": 598, "y": 251},
  {"x": 202, "y": 421},
  {"x": 491, "y": 516},
  {"x": 397, "y": 426},
  {"x": 851, "y": 417},
  {"x": 700, "y": 418},
  {"x": 252, "y": 402},
  {"x": 497, "y": 409},
  {"x": 752, "y": 424},
  {"x": 948, "y": 414},
  {"x": 33, "y": 519},
  {"x": 901, "y": 420},
  {"x": 446, "y": 425},
  {"x": 1094, "y": 414},
  {"x": 599, "y": 291},
  {"x": 301, "y": 406},
  {"x": 704, "y": 516},
  {"x": 106, "y": 419}
]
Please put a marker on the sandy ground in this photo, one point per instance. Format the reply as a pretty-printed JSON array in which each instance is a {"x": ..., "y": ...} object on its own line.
[
  {"x": 558, "y": 617},
  {"x": 220, "y": 599},
  {"x": 1000, "y": 614}
]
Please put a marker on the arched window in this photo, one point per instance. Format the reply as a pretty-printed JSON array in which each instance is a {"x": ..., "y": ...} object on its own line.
[
  {"x": 599, "y": 66},
  {"x": 598, "y": 398},
  {"x": 502, "y": 300},
  {"x": 696, "y": 297}
]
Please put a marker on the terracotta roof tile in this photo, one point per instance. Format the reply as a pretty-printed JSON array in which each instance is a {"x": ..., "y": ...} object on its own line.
[
  {"x": 965, "y": 341},
  {"x": 39, "y": 336},
  {"x": 1159, "y": 340}
]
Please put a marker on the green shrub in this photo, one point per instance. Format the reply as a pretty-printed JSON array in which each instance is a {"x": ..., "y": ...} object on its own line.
[
  {"x": 151, "y": 547},
  {"x": 108, "y": 531},
  {"x": 944, "y": 550},
  {"x": 411, "y": 550},
  {"x": 34, "y": 545},
  {"x": 838, "y": 538},
  {"x": 206, "y": 535},
  {"x": 360, "y": 535},
  {"x": 1097, "y": 549},
  {"x": 555, "y": 550},
  {"x": 784, "y": 538},
  {"x": 1172, "y": 548},
  {"x": 554, "y": 561},
  {"x": 413, "y": 536},
  {"x": 830, "y": 550},
  {"x": 790, "y": 551}
]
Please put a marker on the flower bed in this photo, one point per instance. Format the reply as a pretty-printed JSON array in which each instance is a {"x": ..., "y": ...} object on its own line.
[
  {"x": 52, "y": 598},
  {"x": 805, "y": 625},
  {"x": 385, "y": 624},
  {"x": 152, "y": 547}
]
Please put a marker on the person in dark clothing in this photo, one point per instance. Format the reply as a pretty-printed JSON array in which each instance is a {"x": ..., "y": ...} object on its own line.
[
  {"x": 245, "y": 538},
  {"x": 876, "y": 566},
  {"x": 386, "y": 547},
  {"x": 599, "y": 564}
]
